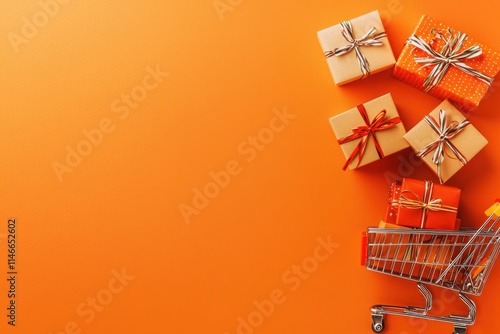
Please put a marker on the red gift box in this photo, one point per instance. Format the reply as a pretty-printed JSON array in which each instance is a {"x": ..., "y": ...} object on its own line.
[{"x": 423, "y": 204}]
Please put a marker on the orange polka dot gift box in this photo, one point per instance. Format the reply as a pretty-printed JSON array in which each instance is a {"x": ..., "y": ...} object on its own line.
[{"x": 447, "y": 64}]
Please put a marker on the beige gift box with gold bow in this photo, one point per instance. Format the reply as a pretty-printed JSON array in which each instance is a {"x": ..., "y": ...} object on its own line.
[
  {"x": 375, "y": 48},
  {"x": 468, "y": 142}
]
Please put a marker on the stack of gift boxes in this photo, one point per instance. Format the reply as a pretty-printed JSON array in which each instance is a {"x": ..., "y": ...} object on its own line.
[{"x": 437, "y": 59}]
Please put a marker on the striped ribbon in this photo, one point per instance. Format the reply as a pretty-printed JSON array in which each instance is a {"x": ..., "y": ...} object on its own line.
[
  {"x": 365, "y": 131},
  {"x": 368, "y": 39},
  {"x": 450, "y": 55},
  {"x": 426, "y": 204},
  {"x": 446, "y": 132}
]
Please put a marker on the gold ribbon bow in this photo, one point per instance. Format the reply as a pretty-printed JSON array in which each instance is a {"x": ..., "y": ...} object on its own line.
[
  {"x": 368, "y": 39},
  {"x": 445, "y": 133},
  {"x": 426, "y": 204},
  {"x": 450, "y": 55}
]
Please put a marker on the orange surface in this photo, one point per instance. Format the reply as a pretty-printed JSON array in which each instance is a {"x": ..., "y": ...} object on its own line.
[{"x": 246, "y": 101}]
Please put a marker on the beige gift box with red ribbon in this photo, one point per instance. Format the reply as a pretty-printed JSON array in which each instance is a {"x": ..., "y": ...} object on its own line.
[{"x": 369, "y": 131}]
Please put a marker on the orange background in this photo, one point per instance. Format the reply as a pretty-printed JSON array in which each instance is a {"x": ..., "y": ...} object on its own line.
[{"x": 119, "y": 208}]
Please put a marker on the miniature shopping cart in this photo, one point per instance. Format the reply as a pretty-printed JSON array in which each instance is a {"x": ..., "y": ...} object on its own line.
[{"x": 456, "y": 260}]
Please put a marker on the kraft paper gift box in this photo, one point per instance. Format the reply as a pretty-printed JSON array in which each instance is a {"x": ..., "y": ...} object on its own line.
[
  {"x": 369, "y": 132},
  {"x": 392, "y": 247},
  {"x": 410, "y": 253},
  {"x": 435, "y": 251},
  {"x": 424, "y": 205},
  {"x": 445, "y": 140},
  {"x": 357, "y": 48},
  {"x": 430, "y": 251},
  {"x": 447, "y": 64}
]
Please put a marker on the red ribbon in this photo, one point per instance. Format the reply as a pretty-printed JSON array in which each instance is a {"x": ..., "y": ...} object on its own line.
[{"x": 364, "y": 132}]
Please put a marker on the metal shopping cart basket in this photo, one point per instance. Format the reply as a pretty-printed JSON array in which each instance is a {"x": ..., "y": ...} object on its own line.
[{"x": 456, "y": 260}]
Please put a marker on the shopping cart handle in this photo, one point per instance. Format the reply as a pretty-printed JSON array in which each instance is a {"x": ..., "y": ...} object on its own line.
[{"x": 494, "y": 209}]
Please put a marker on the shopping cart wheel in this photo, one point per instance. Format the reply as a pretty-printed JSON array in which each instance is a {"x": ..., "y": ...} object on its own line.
[
  {"x": 459, "y": 329},
  {"x": 379, "y": 328},
  {"x": 378, "y": 323}
]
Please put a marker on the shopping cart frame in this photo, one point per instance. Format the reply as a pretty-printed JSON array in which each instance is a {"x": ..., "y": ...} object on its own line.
[{"x": 465, "y": 260}]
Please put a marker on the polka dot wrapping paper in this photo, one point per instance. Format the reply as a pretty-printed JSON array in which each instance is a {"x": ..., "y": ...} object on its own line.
[{"x": 464, "y": 90}]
